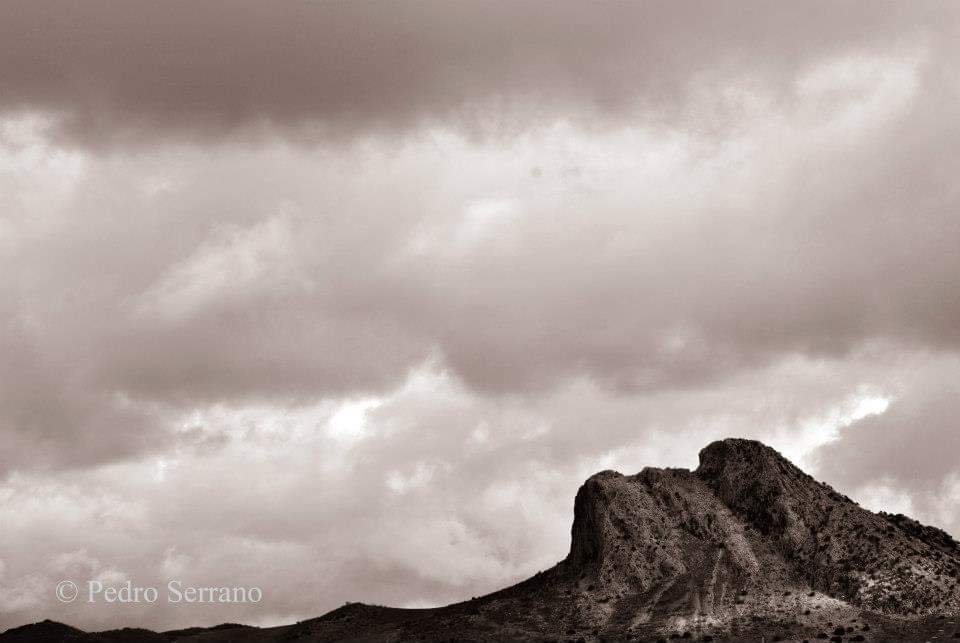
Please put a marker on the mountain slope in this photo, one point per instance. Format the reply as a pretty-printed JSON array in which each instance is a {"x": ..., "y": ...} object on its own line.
[{"x": 746, "y": 547}]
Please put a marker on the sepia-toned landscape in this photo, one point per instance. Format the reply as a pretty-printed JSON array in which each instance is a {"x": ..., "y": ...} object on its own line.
[{"x": 333, "y": 319}]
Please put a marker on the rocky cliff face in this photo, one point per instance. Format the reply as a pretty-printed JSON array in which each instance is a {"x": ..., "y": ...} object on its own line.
[
  {"x": 660, "y": 545},
  {"x": 746, "y": 547},
  {"x": 885, "y": 563},
  {"x": 707, "y": 545}
]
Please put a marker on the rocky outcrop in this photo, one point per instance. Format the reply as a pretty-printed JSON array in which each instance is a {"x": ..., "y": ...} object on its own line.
[{"x": 888, "y": 564}]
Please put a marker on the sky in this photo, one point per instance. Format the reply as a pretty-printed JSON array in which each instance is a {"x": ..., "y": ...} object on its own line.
[{"x": 345, "y": 300}]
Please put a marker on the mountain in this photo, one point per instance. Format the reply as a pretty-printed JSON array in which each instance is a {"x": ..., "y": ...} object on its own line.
[{"x": 745, "y": 548}]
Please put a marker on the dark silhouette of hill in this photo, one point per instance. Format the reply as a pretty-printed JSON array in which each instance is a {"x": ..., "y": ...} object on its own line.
[{"x": 745, "y": 548}]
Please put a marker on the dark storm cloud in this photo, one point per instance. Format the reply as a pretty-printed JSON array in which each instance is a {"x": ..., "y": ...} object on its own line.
[
  {"x": 140, "y": 71},
  {"x": 643, "y": 258}
]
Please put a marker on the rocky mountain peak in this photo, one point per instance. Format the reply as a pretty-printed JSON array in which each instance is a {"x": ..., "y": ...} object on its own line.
[
  {"x": 740, "y": 458},
  {"x": 750, "y": 517}
]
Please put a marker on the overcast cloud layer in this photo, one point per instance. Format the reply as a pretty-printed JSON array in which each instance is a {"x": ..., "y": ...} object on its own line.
[{"x": 345, "y": 300}]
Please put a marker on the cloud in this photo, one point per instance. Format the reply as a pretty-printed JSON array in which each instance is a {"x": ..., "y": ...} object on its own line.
[
  {"x": 234, "y": 266},
  {"x": 643, "y": 257},
  {"x": 908, "y": 453},
  {"x": 138, "y": 72}
]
